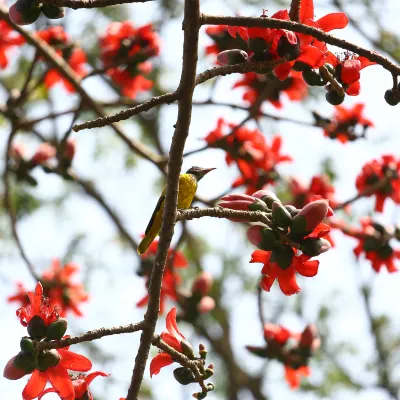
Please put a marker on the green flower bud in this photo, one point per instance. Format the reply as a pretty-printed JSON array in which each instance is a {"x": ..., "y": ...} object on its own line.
[
  {"x": 334, "y": 98},
  {"x": 258, "y": 205},
  {"x": 25, "y": 361},
  {"x": 280, "y": 215},
  {"x": 269, "y": 239},
  {"x": 288, "y": 51},
  {"x": 231, "y": 57},
  {"x": 257, "y": 45},
  {"x": 385, "y": 252},
  {"x": 24, "y": 12},
  {"x": 209, "y": 372},
  {"x": 257, "y": 351},
  {"x": 292, "y": 209},
  {"x": 314, "y": 246},
  {"x": 37, "y": 328},
  {"x": 283, "y": 256},
  {"x": 53, "y": 12},
  {"x": 26, "y": 344},
  {"x": 47, "y": 359},
  {"x": 57, "y": 329},
  {"x": 187, "y": 349},
  {"x": 313, "y": 78},
  {"x": 184, "y": 376},
  {"x": 391, "y": 98}
]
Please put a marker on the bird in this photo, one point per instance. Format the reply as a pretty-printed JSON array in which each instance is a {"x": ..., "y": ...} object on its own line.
[{"x": 186, "y": 191}]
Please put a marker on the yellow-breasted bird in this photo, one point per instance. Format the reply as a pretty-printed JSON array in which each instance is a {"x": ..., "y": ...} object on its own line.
[{"x": 187, "y": 190}]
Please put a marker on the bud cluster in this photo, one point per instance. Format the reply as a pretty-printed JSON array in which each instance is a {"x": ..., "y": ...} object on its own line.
[{"x": 25, "y": 12}]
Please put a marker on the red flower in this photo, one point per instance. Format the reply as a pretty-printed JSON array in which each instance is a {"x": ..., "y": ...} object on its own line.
[
  {"x": 345, "y": 121},
  {"x": 44, "y": 153},
  {"x": 75, "y": 57},
  {"x": 80, "y": 384},
  {"x": 348, "y": 70},
  {"x": 173, "y": 338},
  {"x": 175, "y": 259},
  {"x": 223, "y": 40},
  {"x": 8, "y": 39},
  {"x": 319, "y": 186},
  {"x": 272, "y": 88},
  {"x": 38, "y": 305},
  {"x": 386, "y": 170},
  {"x": 125, "y": 51},
  {"x": 293, "y": 376},
  {"x": 373, "y": 240},
  {"x": 57, "y": 285},
  {"x": 278, "y": 333},
  {"x": 254, "y": 157}
]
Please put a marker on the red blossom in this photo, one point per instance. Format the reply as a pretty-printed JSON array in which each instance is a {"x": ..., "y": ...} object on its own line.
[
  {"x": 293, "y": 376},
  {"x": 272, "y": 89},
  {"x": 56, "y": 37},
  {"x": 385, "y": 170},
  {"x": 374, "y": 241},
  {"x": 345, "y": 121},
  {"x": 255, "y": 158},
  {"x": 9, "y": 39},
  {"x": 57, "y": 286},
  {"x": 173, "y": 337},
  {"x": 125, "y": 51},
  {"x": 80, "y": 384}
]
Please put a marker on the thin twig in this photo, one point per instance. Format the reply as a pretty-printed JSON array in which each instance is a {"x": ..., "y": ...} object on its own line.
[
  {"x": 294, "y": 13},
  {"x": 75, "y": 4}
]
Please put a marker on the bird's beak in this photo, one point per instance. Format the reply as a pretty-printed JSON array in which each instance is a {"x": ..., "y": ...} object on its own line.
[{"x": 205, "y": 171}]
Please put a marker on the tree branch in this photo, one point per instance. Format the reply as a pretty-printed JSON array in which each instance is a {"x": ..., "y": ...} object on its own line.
[
  {"x": 75, "y": 4},
  {"x": 191, "y": 24}
]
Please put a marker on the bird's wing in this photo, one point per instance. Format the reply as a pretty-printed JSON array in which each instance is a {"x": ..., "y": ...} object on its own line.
[{"x": 157, "y": 208}]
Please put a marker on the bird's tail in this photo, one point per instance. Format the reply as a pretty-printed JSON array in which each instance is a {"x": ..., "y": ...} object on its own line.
[{"x": 145, "y": 243}]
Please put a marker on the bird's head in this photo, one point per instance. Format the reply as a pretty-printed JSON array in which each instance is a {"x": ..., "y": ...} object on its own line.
[{"x": 198, "y": 172}]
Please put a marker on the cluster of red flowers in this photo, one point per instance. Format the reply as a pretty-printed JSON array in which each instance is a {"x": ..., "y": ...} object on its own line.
[
  {"x": 57, "y": 285},
  {"x": 8, "y": 40},
  {"x": 347, "y": 124},
  {"x": 290, "y": 240},
  {"x": 380, "y": 178},
  {"x": 294, "y": 350},
  {"x": 373, "y": 240},
  {"x": 270, "y": 88},
  {"x": 125, "y": 51},
  {"x": 44, "y": 324},
  {"x": 248, "y": 148},
  {"x": 56, "y": 37}
]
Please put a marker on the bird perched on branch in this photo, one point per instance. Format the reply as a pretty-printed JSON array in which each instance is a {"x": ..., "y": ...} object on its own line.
[{"x": 187, "y": 190}]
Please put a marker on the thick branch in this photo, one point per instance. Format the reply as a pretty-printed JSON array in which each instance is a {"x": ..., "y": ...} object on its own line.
[
  {"x": 75, "y": 4},
  {"x": 308, "y": 30},
  {"x": 92, "y": 335},
  {"x": 294, "y": 13},
  {"x": 187, "y": 83}
]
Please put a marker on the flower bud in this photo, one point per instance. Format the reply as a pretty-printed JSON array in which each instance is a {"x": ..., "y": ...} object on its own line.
[
  {"x": 57, "y": 329},
  {"x": 47, "y": 359},
  {"x": 309, "y": 337},
  {"x": 53, "y": 12},
  {"x": 44, "y": 153},
  {"x": 37, "y": 328},
  {"x": 202, "y": 351},
  {"x": 187, "y": 349},
  {"x": 257, "y": 351},
  {"x": 266, "y": 196},
  {"x": 25, "y": 361},
  {"x": 17, "y": 151},
  {"x": 269, "y": 240},
  {"x": 184, "y": 376},
  {"x": 313, "y": 78},
  {"x": 385, "y": 252},
  {"x": 391, "y": 97},
  {"x": 287, "y": 50},
  {"x": 234, "y": 56},
  {"x": 283, "y": 256},
  {"x": 334, "y": 98},
  {"x": 254, "y": 234},
  {"x": 24, "y": 12},
  {"x": 309, "y": 217},
  {"x": 69, "y": 150},
  {"x": 203, "y": 283},
  {"x": 240, "y": 202},
  {"x": 12, "y": 372},
  {"x": 26, "y": 344},
  {"x": 314, "y": 247},
  {"x": 206, "y": 305},
  {"x": 209, "y": 372},
  {"x": 292, "y": 209},
  {"x": 280, "y": 215},
  {"x": 258, "y": 46}
]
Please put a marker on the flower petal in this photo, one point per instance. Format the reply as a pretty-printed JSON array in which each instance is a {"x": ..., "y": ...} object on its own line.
[
  {"x": 159, "y": 361},
  {"x": 61, "y": 381},
  {"x": 333, "y": 21},
  {"x": 306, "y": 10},
  {"x": 287, "y": 281},
  {"x": 89, "y": 378},
  {"x": 172, "y": 326},
  {"x": 308, "y": 268},
  {"x": 73, "y": 361},
  {"x": 35, "y": 385},
  {"x": 260, "y": 256}
]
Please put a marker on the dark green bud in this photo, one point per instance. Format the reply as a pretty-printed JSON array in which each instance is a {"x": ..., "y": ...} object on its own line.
[
  {"x": 385, "y": 252},
  {"x": 314, "y": 246},
  {"x": 258, "y": 205},
  {"x": 283, "y": 256},
  {"x": 187, "y": 349},
  {"x": 53, "y": 12},
  {"x": 25, "y": 361},
  {"x": 257, "y": 45},
  {"x": 37, "y": 328},
  {"x": 288, "y": 51},
  {"x": 313, "y": 78},
  {"x": 280, "y": 215},
  {"x": 231, "y": 57},
  {"x": 26, "y": 344},
  {"x": 57, "y": 329},
  {"x": 47, "y": 359},
  {"x": 293, "y": 210},
  {"x": 334, "y": 98},
  {"x": 300, "y": 66},
  {"x": 184, "y": 376},
  {"x": 209, "y": 372},
  {"x": 269, "y": 239},
  {"x": 391, "y": 97},
  {"x": 371, "y": 244},
  {"x": 257, "y": 351},
  {"x": 298, "y": 226},
  {"x": 24, "y": 12}
]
